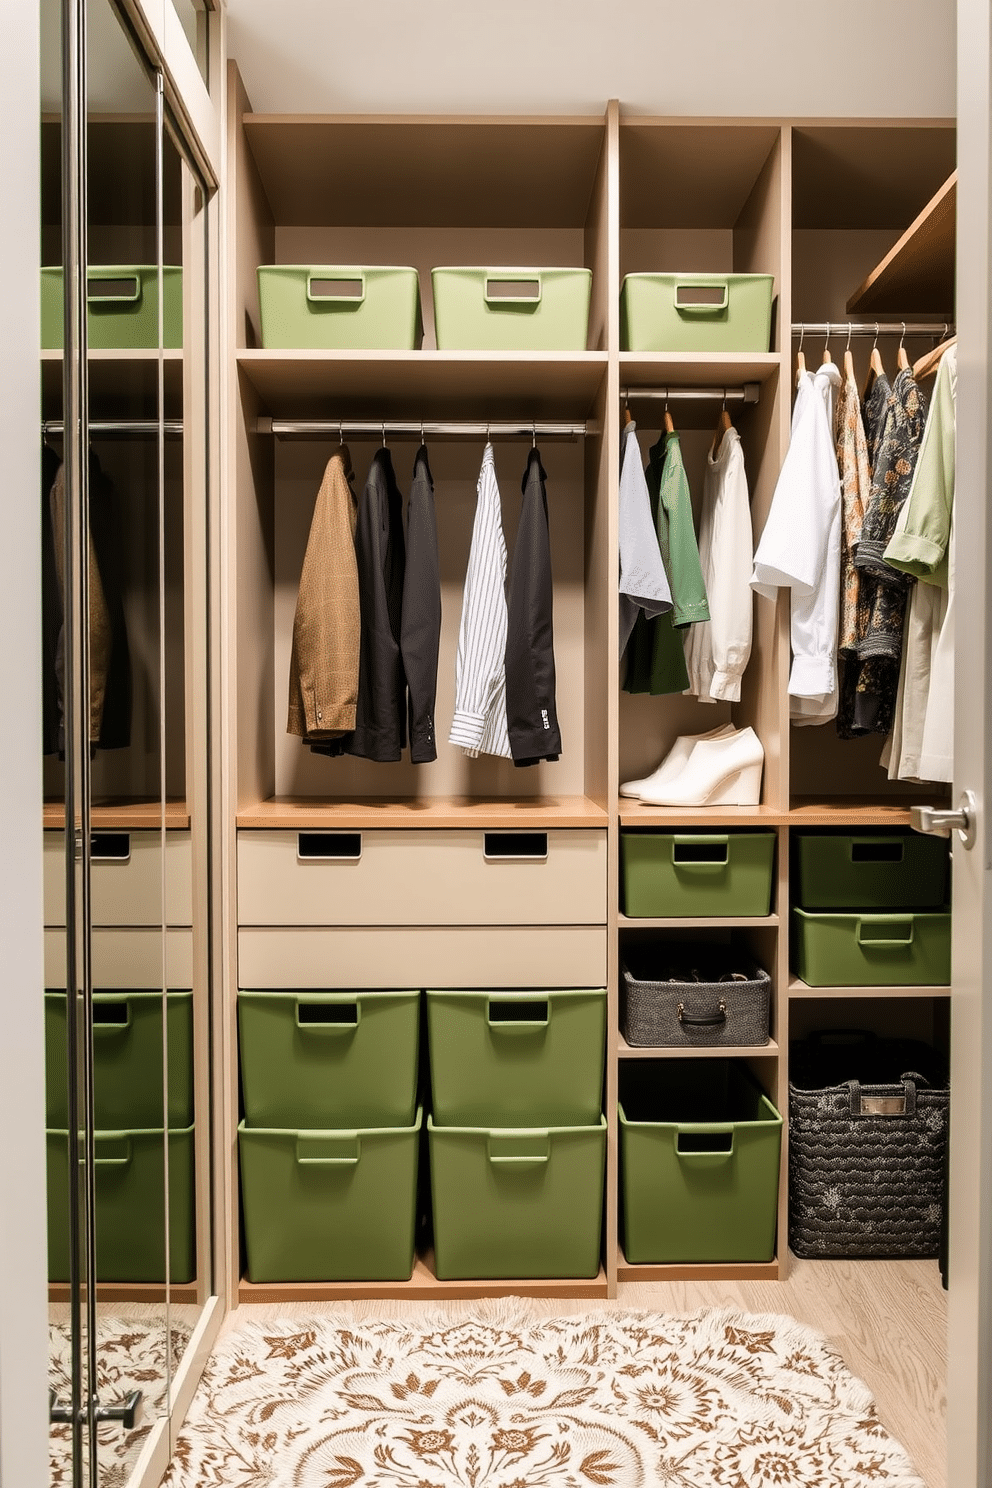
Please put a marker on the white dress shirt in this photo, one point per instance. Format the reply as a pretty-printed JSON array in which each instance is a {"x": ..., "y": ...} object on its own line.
[{"x": 479, "y": 724}]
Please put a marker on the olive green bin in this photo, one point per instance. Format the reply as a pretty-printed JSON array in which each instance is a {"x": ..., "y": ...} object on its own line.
[
  {"x": 901, "y": 870},
  {"x": 676, "y": 874},
  {"x": 121, "y": 307},
  {"x": 832, "y": 949},
  {"x": 700, "y": 1145}
]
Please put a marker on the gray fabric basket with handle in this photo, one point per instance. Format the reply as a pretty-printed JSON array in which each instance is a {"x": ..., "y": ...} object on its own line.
[{"x": 699, "y": 1002}]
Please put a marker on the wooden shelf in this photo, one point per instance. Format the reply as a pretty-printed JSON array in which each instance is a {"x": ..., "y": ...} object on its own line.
[
  {"x": 917, "y": 274},
  {"x": 123, "y": 384},
  {"x": 697, "y": 922},
  {"x": 130, "y": 1291},
  {"x": 799, "y": 989},
  {"x": 842, "y": 811},
  {"x": 702, "y": 368},
  {"x": 341, "y": 813},
  {"x": 124, "y": 815},
  {"x": 423, "y": 1286},
  {"x": 697, "y": 818},
  {"x": 425, "y": 384},
  {"x": 726, "y": 1051},
  {"x": 711, "y": 1271}
]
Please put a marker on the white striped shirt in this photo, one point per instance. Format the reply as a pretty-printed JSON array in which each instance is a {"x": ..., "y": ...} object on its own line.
[{"x": 479, "y": 724}]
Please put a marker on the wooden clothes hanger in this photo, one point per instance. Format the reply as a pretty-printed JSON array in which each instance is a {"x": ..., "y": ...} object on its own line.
[
  {"x": 902, "y": 358},
  {"x": 668, "y": 423},
  {"x": 723, "y": 426},
  {"x": 929, "y": 363},
  {"x": 848, "y": 359},
  {"x": 826, "y": 357}
]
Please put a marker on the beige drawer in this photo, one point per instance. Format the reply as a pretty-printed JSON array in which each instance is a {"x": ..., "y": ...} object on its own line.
[
  {"x": 434, "y": 956},
  {"x": 415, "y": 877},
  {"x": 127, "y": 958},
  {"x": 127, "y": 878}
]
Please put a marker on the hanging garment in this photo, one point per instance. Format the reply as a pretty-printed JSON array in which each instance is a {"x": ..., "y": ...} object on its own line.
[
  {"x": 873, "y": 410},
  {"x": 380, "y": 711},
  {"x": 855, "y": 490},
  {"x": 51, "y": 609},
  {"x": 643, "y": 582},
  {"x": 109, "y": 654},
  {"x": 479, "y": 723},
  {"x": 420, "y": 627},
  {"x": 656, "y": 656},
  {"x": 323, "y": 667},
  {"x": 718, "y": 650},
  {"x": 800, "y": 547},
  {"x": 922, "y": 545},
  {"x": 883, "y": 590},
  {"x": 531, "y": 715}
]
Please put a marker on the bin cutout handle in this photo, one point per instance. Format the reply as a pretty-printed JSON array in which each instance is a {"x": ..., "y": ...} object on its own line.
[
  {"x": 110, "y": 1151},
  {"x": 111, "y": 1017},
  {"x": 701, "y": 853},
  {"x": 504, "y": 847},
  {"x": 516, "y": 1150},
  {"x": 328, "y": 847},
  {"x": 328, "y": 1017},
  {"x": 112, "y": 289},
  {"x": 704, "y": 1020},
  {"x": 876, "y": 931},
  {"x": 331, "y": 289},
  {"x": 329, "y": 1149},
  {"x": 877, "y": 849},
  {"x": 513, "y": 289},
  {"x": 704, "y": 1143},
  {"x": 506, "y": 1013},
  {"x": 110, "y": 847},
  {"x": 701, "y": 299}
]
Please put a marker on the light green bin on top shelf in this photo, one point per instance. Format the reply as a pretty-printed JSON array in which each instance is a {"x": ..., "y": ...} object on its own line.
[
  {"x": 340, "y": 307},
  {"x": 121, "y": 307},
  {"x": 696, "y": 312},
  {"x": 511, "y": 309}
]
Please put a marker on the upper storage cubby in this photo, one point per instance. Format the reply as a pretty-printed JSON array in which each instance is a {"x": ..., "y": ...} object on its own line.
[{"x": 422, "y": 193}]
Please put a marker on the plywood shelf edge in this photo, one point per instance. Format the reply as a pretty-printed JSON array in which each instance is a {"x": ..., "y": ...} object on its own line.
[
  {"x": 709, "y": 1271},
  {"x": 423, "y": 1285},
  {"x": 667, "y": 1051},
  {"x": 299, "y": 813},
  {"x": 918, "y": 272},
  {"x": 802, "y": 990}
]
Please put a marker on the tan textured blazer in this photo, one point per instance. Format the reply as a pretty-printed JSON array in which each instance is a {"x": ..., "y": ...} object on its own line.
[{"x": 323, "y": 670}]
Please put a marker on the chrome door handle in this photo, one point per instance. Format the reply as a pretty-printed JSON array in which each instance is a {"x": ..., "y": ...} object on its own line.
[{"x": 943, "y": 823}]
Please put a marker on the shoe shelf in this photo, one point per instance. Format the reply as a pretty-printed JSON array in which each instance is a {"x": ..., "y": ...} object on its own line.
[
  {"x": 635, "y": 814},
  {"x": 422, "y": 1286},
  {"x": 843, "y": 811},
  {"x": 721, "y": 1051},
  {"x": 435, "y": 812}
]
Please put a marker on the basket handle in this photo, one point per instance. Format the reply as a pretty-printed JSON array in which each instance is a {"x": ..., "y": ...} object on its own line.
[
  {"x": 108, "y": 1019},
  {"x": 506, "y": 1013},
  {"x": 523, "y": 1149},
  {"x": 687, "y": 850},
  {"x": 709, "y": 1020},
  {"x": 701, "y": 307},
  {"x": 493, "y": 276},
  {"x": 339, "y": 1149},
  {"x": 877, "y": 849},
  {"x": 325, "y": 297},
  {"x": 325, "y": 1017},
  {"x": 122, "y": 294},
  {"x": 117, "y": 1148},
  {"x": 884, "y": 1105},
  {"x": 708, "y": 1131},
  {"x": 879, "y": 921}
]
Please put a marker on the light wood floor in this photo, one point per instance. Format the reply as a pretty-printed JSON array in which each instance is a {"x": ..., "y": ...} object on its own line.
[{"x": 886, "y": 1318}]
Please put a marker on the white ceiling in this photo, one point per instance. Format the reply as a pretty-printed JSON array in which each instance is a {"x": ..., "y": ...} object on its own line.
[{"x": 771, "y": 57}]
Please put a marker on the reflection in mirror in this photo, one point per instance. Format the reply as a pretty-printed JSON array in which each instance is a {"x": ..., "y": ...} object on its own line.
[{"x": 193, "y": 19}]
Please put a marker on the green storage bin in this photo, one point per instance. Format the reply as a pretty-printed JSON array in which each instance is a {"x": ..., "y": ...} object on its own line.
[
  {"x": 517, "y": 1202},
  {"x": 700, "y": 1145},
  {"x": 130, "y": 1206},
  {"x": 340, "y": 307},
  {"x": 329, "y": 1059},
  {"x": 511, "y": 309},
  {"x": 696, "y": 312},
  {"x": 127, "y": 1060},
  {"x": 872, "y": 950},
  {"x": 870, "y": 870},
  {"x": 329, "y": 1205},
  {"x": 521, "y": 1058},
  {"x": 122, "y": 307},
  {"x": 679, "y": 874}
]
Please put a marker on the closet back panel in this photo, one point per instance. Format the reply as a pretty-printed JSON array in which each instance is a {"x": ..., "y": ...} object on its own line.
[{"x": 455, "y": 466}]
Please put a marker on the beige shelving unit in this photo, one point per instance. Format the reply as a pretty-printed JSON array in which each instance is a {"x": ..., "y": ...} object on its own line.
[{"x": 617, "y": 195}]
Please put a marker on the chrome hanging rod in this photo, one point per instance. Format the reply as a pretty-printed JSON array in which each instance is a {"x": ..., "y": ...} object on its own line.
[
  {"x": 396, "y": 428},
  {"x": 56, "y": 428},
  {"x": 841, "y": 328},
  {"x": 747, "y": 394}
]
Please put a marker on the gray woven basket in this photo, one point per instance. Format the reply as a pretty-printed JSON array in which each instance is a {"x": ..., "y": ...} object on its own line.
[
  {"x": 679, "y": 1010},
  {"x": 867, "y": 1168}
]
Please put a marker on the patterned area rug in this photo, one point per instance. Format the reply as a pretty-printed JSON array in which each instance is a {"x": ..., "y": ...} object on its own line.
[
  {"x": 131, "y": 1355},
  {"x": 627, "y": 1400}
]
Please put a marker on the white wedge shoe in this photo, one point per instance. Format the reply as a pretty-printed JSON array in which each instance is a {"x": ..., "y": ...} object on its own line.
[
  {"x": 674, "y": 762},
  {"x": 719, "y": 772}
]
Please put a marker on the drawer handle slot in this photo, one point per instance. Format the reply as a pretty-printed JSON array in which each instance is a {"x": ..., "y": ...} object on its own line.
[
  {"x": 124, "y": 289},
  {"x": 519, "y": 1150},
  {"x": 519, "y": 1014},
  {"x": 343, "y": 1150},
  {"x": 348, "y": 291},
  {"x": 520, "y": 846},
  {"x": 512, "y": 291},
  {"x": 876, "y": 850},
  {"x": 702, "y": 299},
  {"x": 110, "y": 847},
  {"x": 717, "y": 1142},
  {"x": 701, "y": 852},
  {"x": 111, "y": 1017},
  {"x": 329, "y": 847},
  {"x": 328, "y": 1017},
  {"x": 878, "y": 931}
]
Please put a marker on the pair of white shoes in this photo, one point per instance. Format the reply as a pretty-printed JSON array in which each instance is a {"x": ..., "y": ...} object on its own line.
[{"x": 721, "y": 768}]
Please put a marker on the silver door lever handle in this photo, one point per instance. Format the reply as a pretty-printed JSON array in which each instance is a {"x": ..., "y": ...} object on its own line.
[{"x": 943, "y": 823}]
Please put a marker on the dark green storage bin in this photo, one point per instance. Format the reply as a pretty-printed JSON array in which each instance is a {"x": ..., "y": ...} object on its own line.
[
  {"x": 517, "y": 1202},
  {"x": 872, "y": 950},
  {"x": 127, "y": 1060},
  {"x": 700, "y": 1145},
  {"x": 679, "y": 874},
  {"x": 329, "y": 1205},
  {"x": 869, "y": 870},
  {"x": 521, "y": 1058},
  {"x": 130, "y": 1206},
  {"x": 329, "y": 1059},
  {"x": 121, "y": 307}
]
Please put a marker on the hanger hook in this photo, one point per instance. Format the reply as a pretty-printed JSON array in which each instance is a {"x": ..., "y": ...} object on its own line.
[
  {"x": 533, "y": 431},
  {"x": 874, "y": 344},
  {"x": 488, "y": 438},
  {"x": 827, "y": 341},
  {"x": 422, "y": 439},
  {"x": 802, "y": 333},
  {"x": 384, "y": 436},
  {"x": 850, "y": 330},
  {"x": 724, "y": 408},
  {"x": 903, "y": 336},
  {"x": 340, "y": 432}
]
